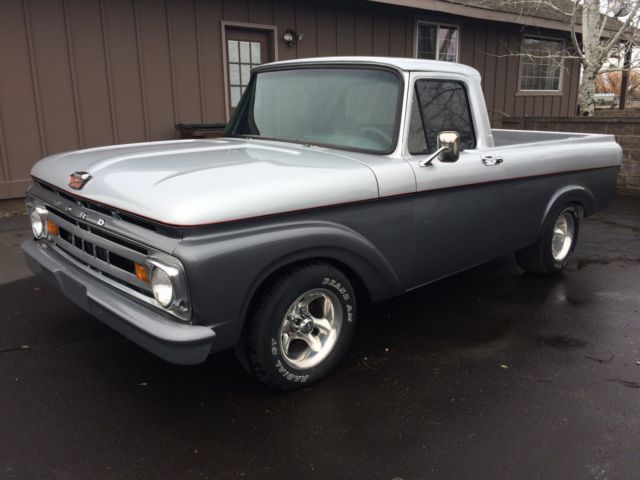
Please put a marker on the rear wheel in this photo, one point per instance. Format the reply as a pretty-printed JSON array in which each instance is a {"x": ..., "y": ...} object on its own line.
[
  {"x": 553, "y": 250},
  {"x": 301, "y": 327}
]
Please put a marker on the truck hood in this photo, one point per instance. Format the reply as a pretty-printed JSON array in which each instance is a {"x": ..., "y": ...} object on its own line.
[{"x": 196, "y": 182}]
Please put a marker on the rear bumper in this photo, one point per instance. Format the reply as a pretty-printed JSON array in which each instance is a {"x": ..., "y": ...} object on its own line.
[{"x": 174, "y": 342}]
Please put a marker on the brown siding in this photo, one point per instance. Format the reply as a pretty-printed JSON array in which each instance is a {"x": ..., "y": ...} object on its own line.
[
  {"x": 209, "y": 16},
  {"x": 89, "y": 74},
  {"x": 502, "y": 64},
  {"x": 380, "y": 34},
  {"x": 285, "y": 17},
  {"x": 364, "y": 30},
  {"x": 45, "y": 21},
  {"x": 83, "y": 73},
  {"x": 327, "y": 44},
  {"x": 261, "y": 11},
  {"x": 186, "y": 66},
  {"x": 346, "y": 35},
  {"x": 20, "y": 111},
  {"x": 306, "y": 23}
]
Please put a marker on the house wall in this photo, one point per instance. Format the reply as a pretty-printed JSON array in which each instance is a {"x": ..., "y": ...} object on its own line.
[{"x": 82, "y": 73}]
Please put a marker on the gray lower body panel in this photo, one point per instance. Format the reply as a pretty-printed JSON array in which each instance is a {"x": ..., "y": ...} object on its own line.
[{"x": 174, "y": 342}]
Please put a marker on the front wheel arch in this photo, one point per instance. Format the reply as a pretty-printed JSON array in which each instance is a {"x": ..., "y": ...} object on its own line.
[{"x": 369, "y": 281}]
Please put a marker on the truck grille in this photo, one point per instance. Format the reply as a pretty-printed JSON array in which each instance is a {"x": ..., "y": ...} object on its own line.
[{"x": 104, "y": 253}]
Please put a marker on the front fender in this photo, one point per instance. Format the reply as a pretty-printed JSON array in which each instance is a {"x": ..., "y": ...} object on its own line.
[{"x": 225, "y": 270}]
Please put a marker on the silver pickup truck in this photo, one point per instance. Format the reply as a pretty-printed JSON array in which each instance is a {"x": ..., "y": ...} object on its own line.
[{"x": 338, "y": 180}]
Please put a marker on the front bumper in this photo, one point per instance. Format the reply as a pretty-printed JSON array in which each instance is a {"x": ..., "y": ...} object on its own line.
[{"x": 174, "y": 342}]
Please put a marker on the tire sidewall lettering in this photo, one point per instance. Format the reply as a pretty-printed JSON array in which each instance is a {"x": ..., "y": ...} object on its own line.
[{"x": 342, "y": 291}]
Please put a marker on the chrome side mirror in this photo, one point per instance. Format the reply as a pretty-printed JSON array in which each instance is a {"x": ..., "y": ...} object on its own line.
[
  {"x": 448, "y": 150},
  {"x": 450, "y": 143}
]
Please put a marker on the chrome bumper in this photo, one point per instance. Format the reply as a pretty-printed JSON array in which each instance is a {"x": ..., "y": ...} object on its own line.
[{"x": 174, "y": 342}]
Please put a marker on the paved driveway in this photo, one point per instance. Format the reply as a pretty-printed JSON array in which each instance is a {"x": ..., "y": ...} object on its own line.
[{"x": 488, "y": 374}]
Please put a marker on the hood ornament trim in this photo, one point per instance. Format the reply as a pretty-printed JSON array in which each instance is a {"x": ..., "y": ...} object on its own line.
[{"x": 77, "y": 180}]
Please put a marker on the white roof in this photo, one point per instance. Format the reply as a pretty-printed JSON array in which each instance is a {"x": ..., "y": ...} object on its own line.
[{"x": 406, "y": 64}]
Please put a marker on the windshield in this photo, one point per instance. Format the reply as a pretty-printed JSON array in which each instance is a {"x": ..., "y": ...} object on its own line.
[{"x": 351, "y": 108}]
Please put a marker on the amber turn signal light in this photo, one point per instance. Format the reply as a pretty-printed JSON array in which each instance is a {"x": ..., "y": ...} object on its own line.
[
  {"x": 53, "y": 228},
  {"x": 141, "y": 273}
]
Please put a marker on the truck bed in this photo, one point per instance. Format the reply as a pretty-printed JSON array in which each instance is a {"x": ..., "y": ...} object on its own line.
[{"x": 509, "y": 138}]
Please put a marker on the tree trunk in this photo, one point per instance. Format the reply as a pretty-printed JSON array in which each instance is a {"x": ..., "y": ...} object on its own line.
[
  {"x": 591, "y": 61},
  {"x": 587, "y": 92},
  {"x": 624, "y": 85}
]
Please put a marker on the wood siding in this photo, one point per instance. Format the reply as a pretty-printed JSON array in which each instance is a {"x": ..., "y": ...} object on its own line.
[{"x": 83, "y": 73}]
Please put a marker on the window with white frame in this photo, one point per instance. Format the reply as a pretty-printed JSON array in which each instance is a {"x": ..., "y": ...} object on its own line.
[
  {"x": 436, "y": 41},
  {"x": 541, "y": 63},
  {"x": 242, "y": 56}
]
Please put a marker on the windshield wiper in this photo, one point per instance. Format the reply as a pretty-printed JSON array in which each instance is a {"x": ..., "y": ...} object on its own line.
[{"x": 259, "y": 137}]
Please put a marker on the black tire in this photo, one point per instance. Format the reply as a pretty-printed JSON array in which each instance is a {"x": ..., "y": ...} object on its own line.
[
  {"x": 538, "y": 258},
  {"x": 262, "y": 348}
]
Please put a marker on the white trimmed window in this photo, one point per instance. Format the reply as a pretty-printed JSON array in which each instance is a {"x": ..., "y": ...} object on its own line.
[
  {"x": 436, "y": 41},
  {"x": 242, "y": 56},
  {"x": 541, "y": 64}
]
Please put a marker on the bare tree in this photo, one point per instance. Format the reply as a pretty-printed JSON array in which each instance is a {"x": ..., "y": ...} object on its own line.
[{"x": 596, "y": 48}]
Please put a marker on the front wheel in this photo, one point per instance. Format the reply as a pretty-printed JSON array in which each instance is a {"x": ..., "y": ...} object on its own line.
[
  {"x": 301, "y": 327},
  {"x": 553, "y": 250}
]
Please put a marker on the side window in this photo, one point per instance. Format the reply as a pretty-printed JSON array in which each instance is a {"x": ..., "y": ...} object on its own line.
[
  {"x": 417, "y": 140},
  {"x": 444, "y": 105}
]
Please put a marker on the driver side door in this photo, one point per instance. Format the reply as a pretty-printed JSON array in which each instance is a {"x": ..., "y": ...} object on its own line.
[{"x": 458, "y": 209}]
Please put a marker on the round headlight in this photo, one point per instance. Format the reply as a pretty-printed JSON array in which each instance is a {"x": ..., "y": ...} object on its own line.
[
  {"x": 162, "y": 287},
  {"x": 37, "y": 223}
]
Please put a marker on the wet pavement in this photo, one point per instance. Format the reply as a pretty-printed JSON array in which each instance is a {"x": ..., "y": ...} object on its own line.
[{"x": 488, "y": 374}]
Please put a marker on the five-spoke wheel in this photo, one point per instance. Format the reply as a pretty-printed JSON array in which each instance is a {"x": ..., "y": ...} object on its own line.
[
  {"x": 310, "y": 328},
  {"x": 301, "y": 326}
]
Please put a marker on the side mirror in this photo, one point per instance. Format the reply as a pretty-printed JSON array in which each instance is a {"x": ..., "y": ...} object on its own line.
[
  {"x": 448, "y": 150},
  {"x": 450, "y": 141}
]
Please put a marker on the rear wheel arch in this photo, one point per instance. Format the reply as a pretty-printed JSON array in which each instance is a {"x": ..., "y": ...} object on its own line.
[{"x": 571, "y": 195}]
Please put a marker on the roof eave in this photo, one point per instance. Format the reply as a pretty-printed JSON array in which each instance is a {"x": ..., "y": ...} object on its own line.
[{"x": 485, "y": 14}]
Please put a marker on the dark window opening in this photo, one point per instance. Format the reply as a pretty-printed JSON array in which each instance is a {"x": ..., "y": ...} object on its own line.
[
  {"x": 437, "y": 42},
  {"x": 438, "y": 106}
]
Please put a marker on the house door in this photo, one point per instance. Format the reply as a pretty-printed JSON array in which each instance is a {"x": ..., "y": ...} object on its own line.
[{"x": 246, "y": 48}]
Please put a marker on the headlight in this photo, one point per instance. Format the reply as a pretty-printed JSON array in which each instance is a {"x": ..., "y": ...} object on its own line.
[
  {"x": 37, "y": 218},
  {"x": 169, "y": 285},
  {"x": 162, "y": 287}
]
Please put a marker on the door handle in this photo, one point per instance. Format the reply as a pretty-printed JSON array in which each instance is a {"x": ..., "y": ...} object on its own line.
[{"x": 491, "y": 160}]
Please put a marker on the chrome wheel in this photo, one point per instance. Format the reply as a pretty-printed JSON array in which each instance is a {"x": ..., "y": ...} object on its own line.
[
  {"x": 310, "y": 328},
  {"x": 563, "y": 233}
]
